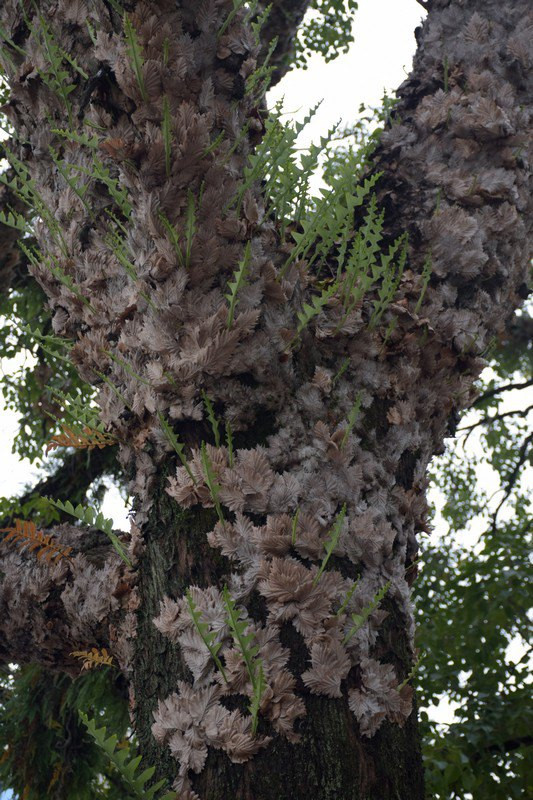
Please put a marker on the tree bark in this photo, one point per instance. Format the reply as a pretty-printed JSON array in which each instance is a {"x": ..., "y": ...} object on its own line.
[{"x": 176, "y": 119}]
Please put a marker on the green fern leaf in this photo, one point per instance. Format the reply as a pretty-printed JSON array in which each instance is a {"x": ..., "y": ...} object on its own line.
[
  {"x": 126, "y": 764},
  {"x": 331, "y": 543},
  {"x": 360, "y": 619},
  {"x": 237, "y": 283},
  {"x": 94, "y": 519},
  {"x": 208, "y": 636}
]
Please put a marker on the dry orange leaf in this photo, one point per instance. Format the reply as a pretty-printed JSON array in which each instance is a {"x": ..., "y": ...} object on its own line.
[{"x": 27, "y": 537}]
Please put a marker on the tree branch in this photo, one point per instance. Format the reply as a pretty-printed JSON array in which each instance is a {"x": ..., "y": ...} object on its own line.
[
  {"x": 282, "y": 23},
  {"x": 47, "y": 610},
  {"x": 500, "y": 389},
  {"x": 73, "y": 477},
  {"x": 522, "y": 456},
  {"x": 496, "y": 417}
]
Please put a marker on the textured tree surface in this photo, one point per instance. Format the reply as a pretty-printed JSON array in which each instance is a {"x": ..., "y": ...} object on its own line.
[{"x": 296, "y": 510}]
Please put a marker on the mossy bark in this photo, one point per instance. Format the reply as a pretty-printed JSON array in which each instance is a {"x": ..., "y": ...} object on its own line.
[{"x": 332, "y": 761}]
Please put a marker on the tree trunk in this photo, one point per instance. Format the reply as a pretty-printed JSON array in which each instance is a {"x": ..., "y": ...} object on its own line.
[
  {"x": 332, "y": 761},
  {"x": 271, "y": 574}
]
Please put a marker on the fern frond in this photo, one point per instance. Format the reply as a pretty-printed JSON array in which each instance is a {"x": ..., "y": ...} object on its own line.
[
  {"x": 331, "y": 543},
  {"x": 212, "y": 418},
  {"x": 127, "y": 764},
  {"x": 95, "y": 519},
  {"x": 294, "y": 526},
  {"x": 249, "y": 652},
  {"x": 239, "y": 277},
  {"x": 86, "y": 439},
  {"x": 77, "y": 138},
  {"x": 313, "y": 309},
  {"x": 352, "y": 418},
  {"x": 135, "y": 54},
  {"x": 12, "y": 219},
  {"x": 190, "y": 225},
  {"x": 237, "y": 5},
  {"x": 208, "y": 637},
  {"x": 211, "y": 482},
  {"x": 27, "y": 537},
  {"x": 229, "y": 443},
  {"x": 426, "y": 274},
  {"x": 412, "y": 672},
  {"x": 93, "y": 658},
  {"x": 360, "y": 619},
  {"x": 258, "y": 689},
  {"x": 63, "y": 169},
  {"x": 167, "y": 134},
  {"x": 178, "y": 447},
  {"x": 348, "y": 597},
  {"x": 48, "y": 342},
  {"x": 174, "y": 238},
  {"x": 78, "y": 409}
]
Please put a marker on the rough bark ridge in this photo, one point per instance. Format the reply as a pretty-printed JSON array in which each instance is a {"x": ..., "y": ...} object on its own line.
[{"x": 320, "y": 496}]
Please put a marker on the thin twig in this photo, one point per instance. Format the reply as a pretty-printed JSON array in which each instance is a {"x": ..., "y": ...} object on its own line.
[
  {"x": 496, "y": 417},
  {"x": 499, "y": 389},
  {"x": 522, "y": 456}
]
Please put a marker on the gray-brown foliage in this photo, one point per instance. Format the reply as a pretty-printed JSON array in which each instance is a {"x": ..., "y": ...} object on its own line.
[{"x": 136, "y": 270}]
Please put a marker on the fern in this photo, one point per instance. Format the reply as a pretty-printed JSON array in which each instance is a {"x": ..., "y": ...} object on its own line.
[
  {"x": 126, "y": 764},
  {"x": 27, "y": 537},
  {"x": 135, "y": 56},
  {"x": 348, "y": 597},
  {"x": 360, "y": 619},
  {"x": 313, "y": 309},
  {"x": 237, "y": 283},
  {"x": 412, "y": 672},
  {"x": 114, "y": 389},
  {"x": 174, "y": 238},
  {"x": 93, "y": 658},
  {"x": 342, "y": 369},
  {"x": 212, "y": 418},
  {"x": 258, "y": 689},
  {"x": 94, "y": 519},
  {"x": 331, "y": 543},
  {"x": 102, "y": 174},
  {"x": 249, "y": 652},
  {"x": 190, "y": 225},
  {"x": 167, "y": 134},
  {"x": 36, "y": 258},
  {"x": 210, "y": 481},
  {"x": 55, "y": 77},
  {"x": 390, "y": 278},
  {"x": 129, "y": 369},
  {"x": 259, "y": 80},
  {"x": 294, "y": 526},
  {"x": 86, "y": 439},
  {"x": 177, "y": 446},
  {"x": 62, "y": 168},
  {"x": 77, "y": 138},
  {"x": 79, "y": 409},
  {"x": 50, "y": 344},
  {"x": 352, "y": 418},
  {"x": 25, "y": 189},
  {"x": 208, "y": 637},
  {"x": 426, "y": 274},
  {"x": 229, "y": 443},
  {"x": 237, "y": 5},
  {"x": 15, "y": 220},
  {"x": 329, "y": 221},
  {"x": 119, "y": 248}
]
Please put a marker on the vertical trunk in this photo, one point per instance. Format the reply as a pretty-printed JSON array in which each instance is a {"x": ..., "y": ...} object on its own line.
[{"x": 332, "y": 761}]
